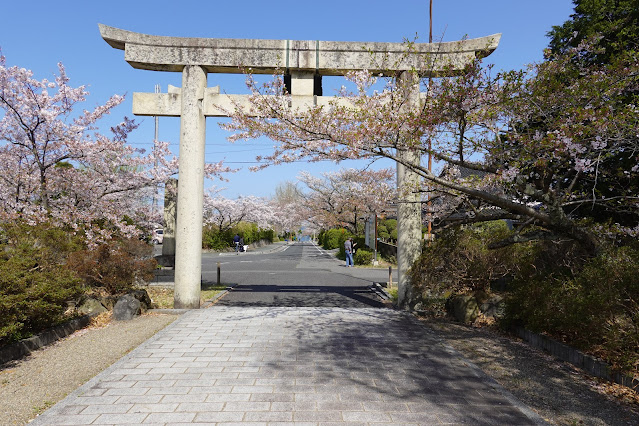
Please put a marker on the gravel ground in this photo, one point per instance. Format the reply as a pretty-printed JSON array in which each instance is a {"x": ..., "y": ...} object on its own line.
[
  {"x": 33, "y": 384},
  {"x": 558, "y": 392}
]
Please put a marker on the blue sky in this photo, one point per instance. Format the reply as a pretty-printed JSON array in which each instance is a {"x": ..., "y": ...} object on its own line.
[{"x": 39, "y": 34}]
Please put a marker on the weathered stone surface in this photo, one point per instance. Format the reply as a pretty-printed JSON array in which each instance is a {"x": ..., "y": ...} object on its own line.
[
  {"x": 109, "y": 302},
  {"x": 188, "y": 232},
  {"x": 409, "y": 210},
  {"x": 170, "y": 221},
  {"x": 493, "y": 306},
  {"x": 143, "y": 297},
  {"x": 126, "y": 308},
  {"x": 465, "y": 308},
  {"x": 92, "y": 305},
  {"x": 162, "y": 53}
]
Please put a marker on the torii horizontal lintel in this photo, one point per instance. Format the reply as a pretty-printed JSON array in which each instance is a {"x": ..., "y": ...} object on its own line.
[
  {"x": 219, "y": 55},
  {"x": 215, "y": 104}
]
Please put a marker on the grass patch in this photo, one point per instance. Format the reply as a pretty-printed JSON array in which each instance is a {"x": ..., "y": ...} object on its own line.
[
  {"x": 392, "y": 291},
  {"x": 162, "y": 297}
]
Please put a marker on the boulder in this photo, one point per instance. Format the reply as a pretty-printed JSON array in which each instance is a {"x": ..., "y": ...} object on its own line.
[
  {"x": 143, "y": 297},
  {"x": 91, "y": 305},
  {"x": 133, "y": 303},
  {"x": 493, "y": 307},
  {"x": 109, "y": 301},
  {"x": 465, "y": 308},
  {"x": 126, "y": 308}
]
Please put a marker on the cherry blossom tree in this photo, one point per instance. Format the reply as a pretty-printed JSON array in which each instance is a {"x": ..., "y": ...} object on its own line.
[
  {"x": 346, "y": 197},
  {"x": 483, "y": 123},
  {"x": 225, "y": 213},
  {"x": 59, "y": 168},
  {"x": 288, "y": 205}
]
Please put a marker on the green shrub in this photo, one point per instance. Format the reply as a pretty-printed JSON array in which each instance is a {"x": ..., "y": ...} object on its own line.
[
  {"x": 34, "y": 284},
  {"x": 459, "y": 261},
  {"x": 596, "y": 308},
  {"x": 552, "y": 287},
  {"x": 333, "y": 237},
  {"x": 382, "y": 232},
  {"x": 391, "y": 228},
  {"x": 390, "y": 259},
  {"x": 213, "y": 239},
  {"x": 363, "y": 257},
  {"x": 390, "y": 224}
]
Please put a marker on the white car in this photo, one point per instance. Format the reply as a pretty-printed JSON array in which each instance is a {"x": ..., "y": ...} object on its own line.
[{"x": 158, "y": 236}]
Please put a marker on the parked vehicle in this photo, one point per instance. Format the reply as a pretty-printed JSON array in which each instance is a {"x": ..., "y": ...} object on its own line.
[{"x": 158, "y": 236}]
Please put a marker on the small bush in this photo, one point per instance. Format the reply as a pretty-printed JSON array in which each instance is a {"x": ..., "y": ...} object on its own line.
[
  {"x": 115, "y": 266},
  {"x": 34, "y": 286},
  {"x": 320, "y": 237},
  {"x": 551, "y": 287},
  {"x": 391, "y": 229},
  {"x": 333, "y": 237},
  {"x": 363, "y": 257},
  {"x": 390, "y": 259},
  {"x": 382, "y": 232},
  {"x": 596, "y": 309},
  {"x": 459, "y": 261},
  {"x": 214, "y": 239}
]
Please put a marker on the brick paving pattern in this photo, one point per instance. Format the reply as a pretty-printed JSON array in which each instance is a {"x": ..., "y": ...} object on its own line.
[{"x": 291, "y": 366}]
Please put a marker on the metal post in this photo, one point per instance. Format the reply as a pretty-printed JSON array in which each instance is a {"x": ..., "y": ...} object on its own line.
[{"x": 218, "y": 273}]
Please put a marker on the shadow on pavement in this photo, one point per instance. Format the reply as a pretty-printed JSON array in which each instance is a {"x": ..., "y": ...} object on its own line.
[{"x": 300, "y": 296}]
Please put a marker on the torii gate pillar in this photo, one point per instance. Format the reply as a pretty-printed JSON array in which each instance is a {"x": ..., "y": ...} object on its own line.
[
  {"x": 409, "y": 208},
  {"x": 188, "y": 233}
]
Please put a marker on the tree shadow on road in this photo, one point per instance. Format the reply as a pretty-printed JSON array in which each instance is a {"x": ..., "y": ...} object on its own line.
[{"x": 301, "y": 296}]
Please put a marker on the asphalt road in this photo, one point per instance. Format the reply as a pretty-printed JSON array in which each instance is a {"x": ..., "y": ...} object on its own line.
[{"x": 295, "y": 275}]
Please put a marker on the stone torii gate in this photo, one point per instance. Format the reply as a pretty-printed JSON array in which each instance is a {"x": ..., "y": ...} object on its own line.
[{"x": 305, "y": 62}]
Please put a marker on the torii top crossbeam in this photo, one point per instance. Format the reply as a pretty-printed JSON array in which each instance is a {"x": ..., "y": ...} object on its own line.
[{"x": 220, "y": 55}]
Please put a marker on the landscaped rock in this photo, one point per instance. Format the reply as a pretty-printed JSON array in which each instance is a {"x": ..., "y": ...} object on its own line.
[
  {"x": 126, "y": 308},
  {"x": 493, "y": 307},
  {"x": 133, "y": 303},
  {"x": 465, "y": 308},
  {"x": 91, "y": 305},
  {"x": 109, "y": 301},
  {"x": 143, "y": 297}
]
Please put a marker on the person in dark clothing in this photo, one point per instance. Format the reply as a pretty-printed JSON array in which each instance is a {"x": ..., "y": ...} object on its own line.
[{"x": 236, "y": 240}]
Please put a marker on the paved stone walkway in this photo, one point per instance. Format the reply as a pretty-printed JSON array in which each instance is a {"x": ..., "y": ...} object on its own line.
[{"x": 291, "y": 366}]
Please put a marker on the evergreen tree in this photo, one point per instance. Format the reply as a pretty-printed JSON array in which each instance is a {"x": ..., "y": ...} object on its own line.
[{"x": 615, "y": 24}]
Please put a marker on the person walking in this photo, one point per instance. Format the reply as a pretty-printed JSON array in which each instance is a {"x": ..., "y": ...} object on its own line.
[
  {"x": 349, "y": 246},
  {"x": 236, "y": 240}
]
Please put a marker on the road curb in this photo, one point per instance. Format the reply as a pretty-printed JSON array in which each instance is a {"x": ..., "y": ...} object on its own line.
[{"x": 25, "y": 347}]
